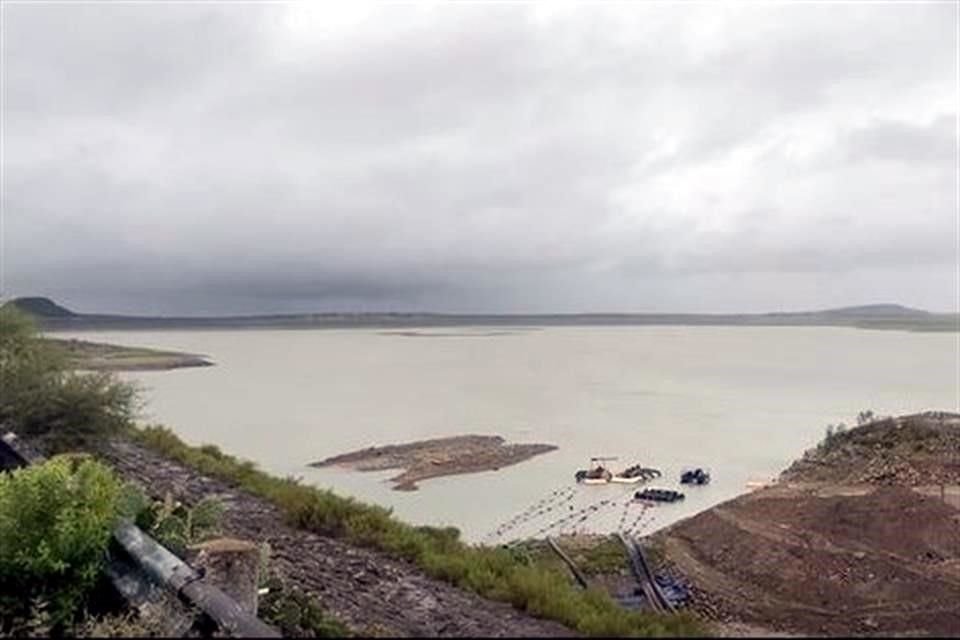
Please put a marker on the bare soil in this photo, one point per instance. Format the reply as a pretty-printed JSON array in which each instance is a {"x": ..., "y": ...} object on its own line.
[
  {"x": 861, "y": 537},
  {"x": 438, "y": 457}
]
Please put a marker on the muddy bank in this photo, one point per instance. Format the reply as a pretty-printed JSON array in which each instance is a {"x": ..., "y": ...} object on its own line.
[
  {"x": 437, "y": 457},
  {"x": 98, "y": 356}
]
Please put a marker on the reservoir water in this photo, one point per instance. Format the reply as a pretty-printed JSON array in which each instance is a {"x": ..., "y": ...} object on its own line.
[{"x": 741, "y": 401}]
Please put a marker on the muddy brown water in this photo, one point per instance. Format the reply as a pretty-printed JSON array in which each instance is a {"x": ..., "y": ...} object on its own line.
[{"x": 740, "y": 401}]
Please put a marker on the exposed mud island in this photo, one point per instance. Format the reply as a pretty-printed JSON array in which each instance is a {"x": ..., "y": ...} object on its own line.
[
  {"x": 97, "y": 356},
  {"x": 437, "y": 457}
]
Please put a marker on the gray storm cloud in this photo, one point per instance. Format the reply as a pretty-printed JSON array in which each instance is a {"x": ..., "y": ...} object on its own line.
[{"x": 175, "y": 158}]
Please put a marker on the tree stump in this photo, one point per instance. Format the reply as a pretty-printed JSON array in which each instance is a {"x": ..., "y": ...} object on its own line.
[{"x": 231, "y": 565}]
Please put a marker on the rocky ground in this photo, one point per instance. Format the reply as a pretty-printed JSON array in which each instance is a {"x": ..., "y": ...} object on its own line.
[
  {"x": 913, "y": 451},
  {"x": 438, "y": 457},
  {"x": 370, "y": 592},
  {"x": 859, "y": 537}
]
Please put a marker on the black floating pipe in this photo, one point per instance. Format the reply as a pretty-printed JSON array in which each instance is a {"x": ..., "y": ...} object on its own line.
[{"x": 175, "y": 574}]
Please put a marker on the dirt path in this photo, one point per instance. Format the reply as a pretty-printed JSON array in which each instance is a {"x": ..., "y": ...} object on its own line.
[{"x": 368, "y": 590}]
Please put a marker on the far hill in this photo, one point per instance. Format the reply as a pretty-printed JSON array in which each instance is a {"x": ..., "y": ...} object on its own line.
[
  {"x": 41, "y": 307},
  {"x": 885, "y": 310},
  {"x": 52, "y": 316}
]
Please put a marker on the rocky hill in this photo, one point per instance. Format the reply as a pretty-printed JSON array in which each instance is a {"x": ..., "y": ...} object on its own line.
[
  {"x": 908, "y": 451},
  {"x": 860, "y": 537}
]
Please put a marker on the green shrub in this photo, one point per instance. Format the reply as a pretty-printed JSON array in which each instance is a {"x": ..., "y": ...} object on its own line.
[
  {"x": 55, "y": 524},
  {"x": 494, "y": 573},
  {"x": 296, "y": 614},
  {"x": 177, "y": 526},
  {"x": 44, "y": 399}
]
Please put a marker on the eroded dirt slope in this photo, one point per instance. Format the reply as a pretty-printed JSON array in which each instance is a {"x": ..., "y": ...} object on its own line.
[{"x": 857, "y": 538}]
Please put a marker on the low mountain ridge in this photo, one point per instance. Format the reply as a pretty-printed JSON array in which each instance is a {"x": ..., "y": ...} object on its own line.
[{"x": 52, "y": 316}]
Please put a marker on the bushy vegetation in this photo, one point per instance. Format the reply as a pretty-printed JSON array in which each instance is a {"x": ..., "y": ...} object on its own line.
[
  {"x": 495, "y": 573},
  {"x": 832, "y": 434},
  {"x": 177, "y": 526},
  {"x": 44, "y": 399},
  {"x": 55, "y": 525}
]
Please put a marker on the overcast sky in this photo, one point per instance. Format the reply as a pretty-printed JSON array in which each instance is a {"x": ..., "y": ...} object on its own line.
[{"x": 233, "y": 158}]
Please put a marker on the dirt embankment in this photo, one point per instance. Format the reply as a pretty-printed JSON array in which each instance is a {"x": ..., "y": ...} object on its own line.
[
  {"x": 97, "y": 356},
  {"x": 860, "y": 537},
  {"x": 438, "y": 457},
  {"x": 371, "y": 592}
]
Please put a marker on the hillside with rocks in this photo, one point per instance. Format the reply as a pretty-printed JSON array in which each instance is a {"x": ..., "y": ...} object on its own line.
[
  {"x": 910, "y": 451},
  {"x": 859, "y": 537}
]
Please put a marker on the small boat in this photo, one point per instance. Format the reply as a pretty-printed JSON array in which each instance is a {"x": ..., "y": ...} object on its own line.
[
  {"x": 695, "y": 476},
  {"x": 636, "y": 473},
  {"x": 658, "y": 495},
  {"x": 596, "y": 474}
]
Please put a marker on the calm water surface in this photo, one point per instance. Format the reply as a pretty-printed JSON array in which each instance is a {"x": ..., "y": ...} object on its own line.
[{"x": 741, "y": 401}]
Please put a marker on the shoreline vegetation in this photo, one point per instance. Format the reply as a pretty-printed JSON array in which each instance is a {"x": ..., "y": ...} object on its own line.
[
  {"x": 437, "y": 457},
  {"x": 51, "y": 316},
  {"x": 496, "y": 573},
  {"x": 58, "y": 409},
  {"x": 97, "y": 356}
]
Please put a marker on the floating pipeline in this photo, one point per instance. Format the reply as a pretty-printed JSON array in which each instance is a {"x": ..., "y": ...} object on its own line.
[
  {"x": 565, "y": 520},
  {"x": 636, "y": 522},
  {"x": 535, "y": 508},
  {"x": 554, "y": 500},
  {"x": 629, "y": 502},
  {"x": 582, "y": 514},
  {"x": 610, "y": 504},
  {"x": 638, "y": 525},
  {"x": 542, "y": 505}
]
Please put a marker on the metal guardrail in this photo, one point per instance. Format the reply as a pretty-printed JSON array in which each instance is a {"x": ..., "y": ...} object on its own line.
[{"x": 162, "y": 567}]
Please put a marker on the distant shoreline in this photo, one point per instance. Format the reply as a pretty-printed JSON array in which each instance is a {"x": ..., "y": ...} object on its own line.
[
  {"x": 53, "y": 317},
  {"x": 387, "y": 322},
  {"x": 98, "y": 356}
]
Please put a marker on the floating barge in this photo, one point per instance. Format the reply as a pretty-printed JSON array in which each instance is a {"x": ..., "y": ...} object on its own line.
[
  {"x": 636, "y": 473},
  {"x": 695, "y": 476},
  {"x": 596, "y": 474}
]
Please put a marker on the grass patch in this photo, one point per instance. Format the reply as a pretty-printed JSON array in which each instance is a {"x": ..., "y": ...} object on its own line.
[
  {"x": 492, "y": 572},
  {"x": 606, "y": 556}
]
